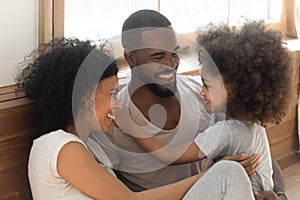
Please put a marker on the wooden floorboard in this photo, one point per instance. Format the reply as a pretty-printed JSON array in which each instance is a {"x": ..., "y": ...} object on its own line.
[{"x": 291, "y": 175}]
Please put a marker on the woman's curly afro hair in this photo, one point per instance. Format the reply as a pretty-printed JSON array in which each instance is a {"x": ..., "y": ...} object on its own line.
[
  {"x": 256, "y": 68},
  {"x": 48, "y": 75}
]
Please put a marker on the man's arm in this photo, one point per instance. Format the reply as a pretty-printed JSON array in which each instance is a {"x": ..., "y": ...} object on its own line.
[
  {"x": 277, "y": 177},
  {"x": 98, "y": 142}
]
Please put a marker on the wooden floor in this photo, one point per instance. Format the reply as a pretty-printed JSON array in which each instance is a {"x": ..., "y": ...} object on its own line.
[{"x": 291, "y": 176}]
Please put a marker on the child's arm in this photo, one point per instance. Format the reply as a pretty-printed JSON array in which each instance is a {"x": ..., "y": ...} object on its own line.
[
  {"x": 165, "y": 154},
  {"x": 184, "y": 153},
  {"x": 193, "y": 153}
]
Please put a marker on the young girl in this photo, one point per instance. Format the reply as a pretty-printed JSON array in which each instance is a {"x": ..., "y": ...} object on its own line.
[
  {"x": 73, "y": 83},
  {"x": 247, "y": 75}
]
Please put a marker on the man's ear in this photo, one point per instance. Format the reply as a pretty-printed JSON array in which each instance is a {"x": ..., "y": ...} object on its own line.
[{"x": 130, "y": 58}]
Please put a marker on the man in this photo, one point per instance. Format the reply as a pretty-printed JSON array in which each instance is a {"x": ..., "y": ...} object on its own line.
[
  {"x": 152, "y": 54},
  {"x": 156, "y": 99}
]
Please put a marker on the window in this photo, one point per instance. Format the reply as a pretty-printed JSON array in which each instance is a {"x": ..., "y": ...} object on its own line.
[
  {"x": 94, "y": 19},
  {"x": 100, "y": 19},
  {"x": 55, "y": 16}
]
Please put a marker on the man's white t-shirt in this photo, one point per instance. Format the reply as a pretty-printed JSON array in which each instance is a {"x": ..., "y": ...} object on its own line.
[{"x": 139, "y": 169}]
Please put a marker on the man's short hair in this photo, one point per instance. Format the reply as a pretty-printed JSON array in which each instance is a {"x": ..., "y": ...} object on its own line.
[{"x": 139, "y": 21}]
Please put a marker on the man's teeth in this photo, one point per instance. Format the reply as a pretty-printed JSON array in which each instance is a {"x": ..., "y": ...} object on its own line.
[
  {"x": 169, "y": 75},
  {"x": 110, "y": 116}
]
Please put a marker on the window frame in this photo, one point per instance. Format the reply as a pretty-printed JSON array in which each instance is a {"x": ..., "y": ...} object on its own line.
[
  {"x": 287, "y": 20},
  {"x": 50, "y": 20}
]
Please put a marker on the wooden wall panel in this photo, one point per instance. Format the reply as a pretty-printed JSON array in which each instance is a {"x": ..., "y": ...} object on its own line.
[
  {"x": 292, "y": 114},
  {"x": 19, "y": 121},
  {"x": 281, "y": 132},
  {"x": 7, "y": 89},
  {"x": 14, "y": 185},
  {"x": 11, "y": 96},
  {"x": 15, "y": 153},
  {"x": 284, "y": 147},
  {"x": 283, "y": 138}
]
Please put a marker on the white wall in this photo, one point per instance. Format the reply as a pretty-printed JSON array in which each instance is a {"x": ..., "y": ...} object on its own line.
[{"x": 18, "y": 35}]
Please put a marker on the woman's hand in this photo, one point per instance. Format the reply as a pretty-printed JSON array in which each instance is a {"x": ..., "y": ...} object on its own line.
[{"x": 249, "y": 163}]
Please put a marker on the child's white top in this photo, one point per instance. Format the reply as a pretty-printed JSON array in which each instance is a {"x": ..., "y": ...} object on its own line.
[{"x": 231, "y": 137}]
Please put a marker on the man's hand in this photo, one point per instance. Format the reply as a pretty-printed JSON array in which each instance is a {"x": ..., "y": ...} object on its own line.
[
  {"x": 249, "y": 163},
  {"x": 268, "y": 195}
]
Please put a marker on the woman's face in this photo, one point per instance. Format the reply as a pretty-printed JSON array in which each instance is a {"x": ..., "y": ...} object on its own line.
[{"x": 105, "y": 101}]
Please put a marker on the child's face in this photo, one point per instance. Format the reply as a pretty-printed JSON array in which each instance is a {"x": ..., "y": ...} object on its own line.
[{"x": 214, "y": 94}]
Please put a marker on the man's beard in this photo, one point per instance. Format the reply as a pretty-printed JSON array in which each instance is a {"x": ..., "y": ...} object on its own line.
[{"x": 162, "y": 93}]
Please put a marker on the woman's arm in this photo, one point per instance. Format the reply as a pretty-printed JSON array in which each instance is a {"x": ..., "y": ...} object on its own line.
[{"x": 77, "y": 166}]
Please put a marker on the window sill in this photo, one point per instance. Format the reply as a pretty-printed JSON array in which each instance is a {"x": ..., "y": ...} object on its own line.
[{"x": 293, "y": 44}]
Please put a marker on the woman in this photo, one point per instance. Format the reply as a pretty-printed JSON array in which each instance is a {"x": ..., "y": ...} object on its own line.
[{"x": 73, "y": 83}]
